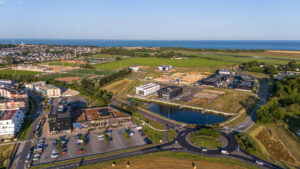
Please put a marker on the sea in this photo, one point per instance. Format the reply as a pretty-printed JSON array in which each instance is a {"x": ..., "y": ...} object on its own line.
[{"x": 204, "y": 44}]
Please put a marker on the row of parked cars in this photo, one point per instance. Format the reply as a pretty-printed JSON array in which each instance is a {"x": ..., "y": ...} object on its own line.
[{"x": 38, "y": 128}]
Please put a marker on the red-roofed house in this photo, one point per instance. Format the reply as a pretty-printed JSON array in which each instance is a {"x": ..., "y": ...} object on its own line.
[{"x": 10, "y": 122}]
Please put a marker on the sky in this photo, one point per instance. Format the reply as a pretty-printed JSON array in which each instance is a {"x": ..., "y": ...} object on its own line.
[{"x": 151, "y": 19}]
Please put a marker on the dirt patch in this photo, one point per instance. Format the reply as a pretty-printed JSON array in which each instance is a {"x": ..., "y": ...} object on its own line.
[
  {"x": 68, "y": 79},
  {"x": 213, "y": 91},
  {"x": 60, "y": 68},
  {"x": 206, "y": 95},
  {"x": 275, "y": 147}
]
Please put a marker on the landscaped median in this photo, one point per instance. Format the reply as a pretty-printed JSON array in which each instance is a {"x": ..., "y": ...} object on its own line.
[{"x": 207, "y": 138}]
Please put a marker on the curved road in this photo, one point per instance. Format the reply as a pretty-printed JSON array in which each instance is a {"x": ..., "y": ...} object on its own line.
[{"x": 181, "y": 139}]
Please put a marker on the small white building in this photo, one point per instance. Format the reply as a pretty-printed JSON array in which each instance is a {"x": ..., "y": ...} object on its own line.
[
  {"x": 10, "y": 123},
  {"x": 6, "y": 82},
  {"x": 134, "y": 68},
  {"x": 225, "y": 72},
  {"x": 165, "y": 67},
  {"x": 147, "y": 89}
]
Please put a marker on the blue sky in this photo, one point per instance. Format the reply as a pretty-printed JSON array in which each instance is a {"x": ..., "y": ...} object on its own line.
[{"x": 151, "y": 19}]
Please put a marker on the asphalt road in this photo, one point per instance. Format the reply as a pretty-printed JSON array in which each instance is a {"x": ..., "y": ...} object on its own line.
[
  {"x": 187, "y": 147},
  {"x": 22, "y": 153},
  {"x": 250, "y": 119}
]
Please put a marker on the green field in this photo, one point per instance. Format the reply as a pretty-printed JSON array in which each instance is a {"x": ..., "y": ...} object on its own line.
[
  {"x": 20, "y": 72},
  {"x": 80, "y": 73},
  {"x": 57, "y": 63},
  {"x": 152, "y": 61}
]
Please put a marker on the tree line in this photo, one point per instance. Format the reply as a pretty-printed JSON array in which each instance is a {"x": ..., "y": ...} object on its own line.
[
  {"x": 87, "y": 87},
  {"x": 284, "y": 105}
]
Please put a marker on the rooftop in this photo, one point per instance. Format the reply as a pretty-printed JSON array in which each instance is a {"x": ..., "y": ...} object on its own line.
[{"x": 8, "y": 114}]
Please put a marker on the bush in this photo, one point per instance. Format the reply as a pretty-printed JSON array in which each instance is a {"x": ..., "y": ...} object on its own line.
[{"x": 246, "y": 142}]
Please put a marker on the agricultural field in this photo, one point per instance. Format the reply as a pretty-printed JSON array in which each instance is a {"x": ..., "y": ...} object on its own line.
[
  {"x": 19, "y": 72},
  {"x": 118, "y": 86},
  {"x": 5, "y": 153},
  {"x": 170, "y": 160},
  {"x": 267, "y": 57},
  {"x": 152, "y": 61}
]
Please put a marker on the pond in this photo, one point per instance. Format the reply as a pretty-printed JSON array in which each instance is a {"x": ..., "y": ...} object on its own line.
[{"x": 186, "y": 115}]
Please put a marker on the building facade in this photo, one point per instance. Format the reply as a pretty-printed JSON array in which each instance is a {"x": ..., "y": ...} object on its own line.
[
  {"x": 147, "y": 89},
  {"x": 10, "y": 123},
  {"x": 165, "y": 67},
  {"x": 170, "y": 92}
]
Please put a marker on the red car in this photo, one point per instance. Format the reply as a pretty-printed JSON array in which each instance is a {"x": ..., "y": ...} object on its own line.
[
  {"x": 80, "y": 151},
  {"x": 64, "y": 152}
]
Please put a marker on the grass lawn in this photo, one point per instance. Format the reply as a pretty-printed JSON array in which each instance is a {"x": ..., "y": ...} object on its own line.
[
  {"x": 153, "y": 135},
  {"x": 152, "y": 61},
  {"x": 25, "y": 129},
  {"x": 232, "y": 101},
  {"x": 208, "y": 138},
  {"x": 5, "y": 153},
  {"x": 172, "y": 160},
  {"x": 205, "y": 141},
  {"x": 20, "y": 72}
]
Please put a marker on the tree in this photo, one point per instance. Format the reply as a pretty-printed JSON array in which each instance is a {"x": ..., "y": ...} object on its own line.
[{"x": 9, "y": 59}]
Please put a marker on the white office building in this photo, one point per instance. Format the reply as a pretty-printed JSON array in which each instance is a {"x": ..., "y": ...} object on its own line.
[
  {"x": 147, "y": 89},
  {"x": 165, "y": 67},
  {"x": 10, "y": 123}
]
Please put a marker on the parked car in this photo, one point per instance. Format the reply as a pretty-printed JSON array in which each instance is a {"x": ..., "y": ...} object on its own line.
[
  {"x": 28, "y": 156},
  {"x": 138, "y": 127},
  {"x": 100, "y": 137},
  {"x": 64, "y": 152},
  {"x": 80, "y": 151},
  {"x": 131, "y": 133},
  {"x": 36, "y": 157},
  {"x": 54, "y": 155}
]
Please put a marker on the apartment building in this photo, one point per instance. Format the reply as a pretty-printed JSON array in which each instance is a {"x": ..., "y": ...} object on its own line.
[{"x": 10, "y": 123}]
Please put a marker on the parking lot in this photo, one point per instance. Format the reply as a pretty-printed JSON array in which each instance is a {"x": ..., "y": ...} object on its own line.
[{"x": 117, "y": 141}]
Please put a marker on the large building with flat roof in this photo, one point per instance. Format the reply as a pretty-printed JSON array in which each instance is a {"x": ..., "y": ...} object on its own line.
[
  {"x": 60, "y": 119},
  {"x": 147, "y": 89},
  {"x": 169, "y": 92},
  {"x": 99, "y": 117},
  {"x": 44, "y": 89}
]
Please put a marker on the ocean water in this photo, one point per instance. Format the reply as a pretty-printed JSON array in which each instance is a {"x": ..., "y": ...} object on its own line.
[{"x": 208, "y": 44}]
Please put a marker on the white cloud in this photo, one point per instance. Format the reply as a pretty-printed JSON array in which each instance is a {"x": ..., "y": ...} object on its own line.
[{"x": 2, "y": 2}]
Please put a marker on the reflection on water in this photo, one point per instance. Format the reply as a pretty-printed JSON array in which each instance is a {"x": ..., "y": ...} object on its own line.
[{"x": 185, "y": 115}]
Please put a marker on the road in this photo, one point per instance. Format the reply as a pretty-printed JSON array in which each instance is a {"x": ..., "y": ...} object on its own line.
[
  {"x": 19, "y": 158},
  {"x": 181, "y": 139},
  {"x": 250, "y": 119}
]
